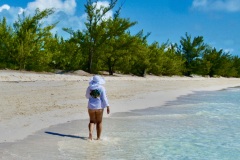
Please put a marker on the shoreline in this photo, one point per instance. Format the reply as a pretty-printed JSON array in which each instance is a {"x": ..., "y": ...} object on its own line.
[{"x": 29, "y": 106}]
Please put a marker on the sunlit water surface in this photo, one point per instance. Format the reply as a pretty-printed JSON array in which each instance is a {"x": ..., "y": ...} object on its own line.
[{"x": 203, "y": 125}]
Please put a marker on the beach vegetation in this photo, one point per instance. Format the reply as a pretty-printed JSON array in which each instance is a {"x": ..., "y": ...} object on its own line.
[
  {"x": 217, "y": 62},
  {"x": 191, "y": 49},
  {"x": 116, "y": 41},
  {"x": 165, "y": 60},
  {"x": 29, "y": 40},
  {"x": 236, "y": 65},
  {"x": 95, "y": 34},
  {"x": 106, "y": 44},
  {"x": 140, "y": 55},
  {"x": 6, "y": 49}
]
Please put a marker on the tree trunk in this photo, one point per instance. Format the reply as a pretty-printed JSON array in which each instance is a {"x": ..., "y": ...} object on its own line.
[
  {"x": 110, "y": 67},
  {"x": 90, "y": 59},
  {"x": 110, "y": 71}
]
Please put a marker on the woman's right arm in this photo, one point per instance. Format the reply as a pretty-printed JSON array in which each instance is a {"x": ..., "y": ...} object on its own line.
[
  {"x": 104, "y": 98},
  {"x": 108, "y": 109},
  {"x": 87, "y": 93}
]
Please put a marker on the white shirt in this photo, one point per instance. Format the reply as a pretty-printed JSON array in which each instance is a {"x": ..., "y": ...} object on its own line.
[{"x": 99, "y": 102}]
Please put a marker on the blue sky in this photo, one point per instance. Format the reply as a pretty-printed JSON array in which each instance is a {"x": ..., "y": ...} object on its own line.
[{"x": 218, "y": 21}]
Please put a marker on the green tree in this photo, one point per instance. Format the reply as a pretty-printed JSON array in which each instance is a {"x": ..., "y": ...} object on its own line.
[
  {"x": 191, "y": 51},
  {"x": 236, "y": 65},
  {"x": 94, "y": 33},
  {"x": 173, "y": 62},
  {"x": 118, "y": 42},
  {"x": 140, "y": 55},
  {"x": 79, "y": 42},
  {"x": 6, "y": 45},
  {"x": 30, "y": 39},
  {"x": 165, "y": 60},
  {"x": 211, "y": 61},
  {"x": 227, "y": 68},
  {"x": 217, "y": 63},
  {"x": 53, "y": 46},
  {"x": 156, "y": 53}
]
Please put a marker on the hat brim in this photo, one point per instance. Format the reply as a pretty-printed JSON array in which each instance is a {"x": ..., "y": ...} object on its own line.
[{"x": 97, "y": 79}]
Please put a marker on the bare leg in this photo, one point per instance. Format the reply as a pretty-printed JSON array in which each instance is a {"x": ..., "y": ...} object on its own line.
[
  {"x": 92, "y": 122},
  {"x": 99, "y": 115},
  {"x": 90, "y": 127},
  {"x": 99, "y": 130}
]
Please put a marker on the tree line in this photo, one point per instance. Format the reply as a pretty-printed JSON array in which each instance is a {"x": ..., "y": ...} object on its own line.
[{"x": 106, "y": 44}]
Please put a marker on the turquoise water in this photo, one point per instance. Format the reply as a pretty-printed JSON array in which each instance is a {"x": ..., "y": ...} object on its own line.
[
  {"x": 200, "y": 126},
  {"x": 204, "y": 125}
]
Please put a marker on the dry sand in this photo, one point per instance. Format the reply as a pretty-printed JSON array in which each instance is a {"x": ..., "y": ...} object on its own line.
[{"x": 33, "y": 101}]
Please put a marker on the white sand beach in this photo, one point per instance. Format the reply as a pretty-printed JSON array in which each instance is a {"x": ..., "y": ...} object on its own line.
[{"x": 33, "y": 101}]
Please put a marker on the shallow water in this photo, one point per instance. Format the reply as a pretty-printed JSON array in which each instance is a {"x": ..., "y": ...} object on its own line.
[{"x": 203, "y": 125}]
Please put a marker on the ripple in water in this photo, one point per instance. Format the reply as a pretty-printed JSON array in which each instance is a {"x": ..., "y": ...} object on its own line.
[
  {"x": 205, "y": 126},
  {"x": 200, "y": 126}
]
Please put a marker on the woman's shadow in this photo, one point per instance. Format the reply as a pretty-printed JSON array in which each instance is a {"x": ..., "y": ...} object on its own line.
[{"x": 65, "y": 135}]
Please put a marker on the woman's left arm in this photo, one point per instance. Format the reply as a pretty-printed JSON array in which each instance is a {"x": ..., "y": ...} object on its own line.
[{"x": 104, "y": 98}]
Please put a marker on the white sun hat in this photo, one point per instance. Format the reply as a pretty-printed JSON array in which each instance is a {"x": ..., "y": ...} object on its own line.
[{"x": 97, "y": 80}]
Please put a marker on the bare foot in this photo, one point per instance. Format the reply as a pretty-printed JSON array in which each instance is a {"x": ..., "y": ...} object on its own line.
[{"x": 90, "y": 137}]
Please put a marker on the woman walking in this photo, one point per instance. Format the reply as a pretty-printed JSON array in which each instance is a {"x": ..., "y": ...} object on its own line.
[{"x": 97, "y": 101}]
